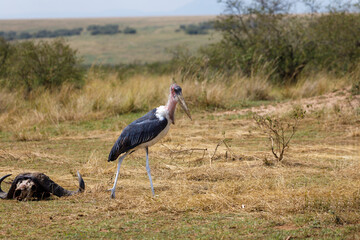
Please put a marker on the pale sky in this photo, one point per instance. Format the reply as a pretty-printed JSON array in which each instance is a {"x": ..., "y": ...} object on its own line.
[
  {"x": 14, "y": 9},
  {"x": 27, "y": 9}
]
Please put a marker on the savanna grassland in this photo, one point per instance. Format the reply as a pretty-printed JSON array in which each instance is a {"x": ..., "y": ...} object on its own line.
[
  {"x": 215, "y": 177},
  {"x": 210, "y": 175},
  {"x": 154, "y": 36}
]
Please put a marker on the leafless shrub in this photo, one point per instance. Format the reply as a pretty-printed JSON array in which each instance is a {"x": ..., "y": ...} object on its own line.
[
  {"x": 268, "y": 162},
  {"x": 280, "y": 130}
]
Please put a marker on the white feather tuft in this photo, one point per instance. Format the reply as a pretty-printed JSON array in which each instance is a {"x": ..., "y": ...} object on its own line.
[{"x": 161, "y": 113}]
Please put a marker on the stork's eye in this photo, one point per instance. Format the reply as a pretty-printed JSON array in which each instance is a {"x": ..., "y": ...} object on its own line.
[{"x": 177, "y": 90}]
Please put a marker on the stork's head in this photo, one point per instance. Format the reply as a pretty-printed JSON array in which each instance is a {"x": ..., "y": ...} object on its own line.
[{"x": 176, "y": 95}]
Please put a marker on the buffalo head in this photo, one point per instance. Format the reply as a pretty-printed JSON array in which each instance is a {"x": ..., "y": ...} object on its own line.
[{"x": 27, "y": 186}]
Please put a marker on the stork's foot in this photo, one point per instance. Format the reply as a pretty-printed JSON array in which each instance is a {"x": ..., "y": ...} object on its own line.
[{"x": 112, "y": 192}]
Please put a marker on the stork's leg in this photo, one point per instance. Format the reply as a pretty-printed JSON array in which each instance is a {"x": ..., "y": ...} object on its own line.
[
  {"x": 117, "y": 175},
  {"x": 148, "y": 170}
]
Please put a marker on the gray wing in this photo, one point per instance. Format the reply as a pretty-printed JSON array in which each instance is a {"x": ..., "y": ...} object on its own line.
[{"x": 140, "y": 131}]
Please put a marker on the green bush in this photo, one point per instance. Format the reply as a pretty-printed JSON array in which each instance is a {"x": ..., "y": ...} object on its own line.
[
  {"x": 47, "y": 64},
  {"x": 263, "y": 35},
  {"x": 336, "y": 39}
]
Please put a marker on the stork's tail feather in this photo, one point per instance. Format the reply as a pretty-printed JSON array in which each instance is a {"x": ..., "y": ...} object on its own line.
[{"x": 114, "y": 153}]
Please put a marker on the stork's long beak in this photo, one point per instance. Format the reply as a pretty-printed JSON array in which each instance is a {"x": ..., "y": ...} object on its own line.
[{"x": 183, "y": 105}]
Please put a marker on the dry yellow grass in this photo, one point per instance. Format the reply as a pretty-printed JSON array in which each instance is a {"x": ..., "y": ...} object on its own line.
[
  {"x": 316, "y": 85},
  {"x": 313, "y": 193},
  {"x": 104, "y": 96},
  {"x": 107, "y": 97}
]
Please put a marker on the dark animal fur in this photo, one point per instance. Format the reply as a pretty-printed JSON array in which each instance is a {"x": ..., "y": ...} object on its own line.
[{"x": 41, "y": 187}]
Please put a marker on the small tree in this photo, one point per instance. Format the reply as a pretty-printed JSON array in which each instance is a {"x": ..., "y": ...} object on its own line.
[
  {"x": 280, "y": 131},
  {"x": 256, "y": 32}
]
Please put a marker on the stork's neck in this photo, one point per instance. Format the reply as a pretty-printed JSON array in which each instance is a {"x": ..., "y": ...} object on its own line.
[{"x": 170, "y": 106}]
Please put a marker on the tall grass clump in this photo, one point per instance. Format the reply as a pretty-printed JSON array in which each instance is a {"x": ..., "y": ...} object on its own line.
[
  {"x": 99, "y": 98},
  {"x": 315, "y": 85},
  {"x": 104, "y": 95}
]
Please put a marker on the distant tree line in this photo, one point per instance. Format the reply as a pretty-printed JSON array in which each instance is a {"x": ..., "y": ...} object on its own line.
[
  {"x": 129, "y": 30},
  {"x": 109, "y": 29},
  {"x": 194, "y": 29},
  {"x": 12, "y": 35}
]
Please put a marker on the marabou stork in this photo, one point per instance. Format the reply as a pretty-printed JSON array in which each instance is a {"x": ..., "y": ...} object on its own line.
[{"x": 146, "y": 131}]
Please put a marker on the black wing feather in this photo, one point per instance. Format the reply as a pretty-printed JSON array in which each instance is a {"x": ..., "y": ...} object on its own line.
[{"x": 141, "y": 130}]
